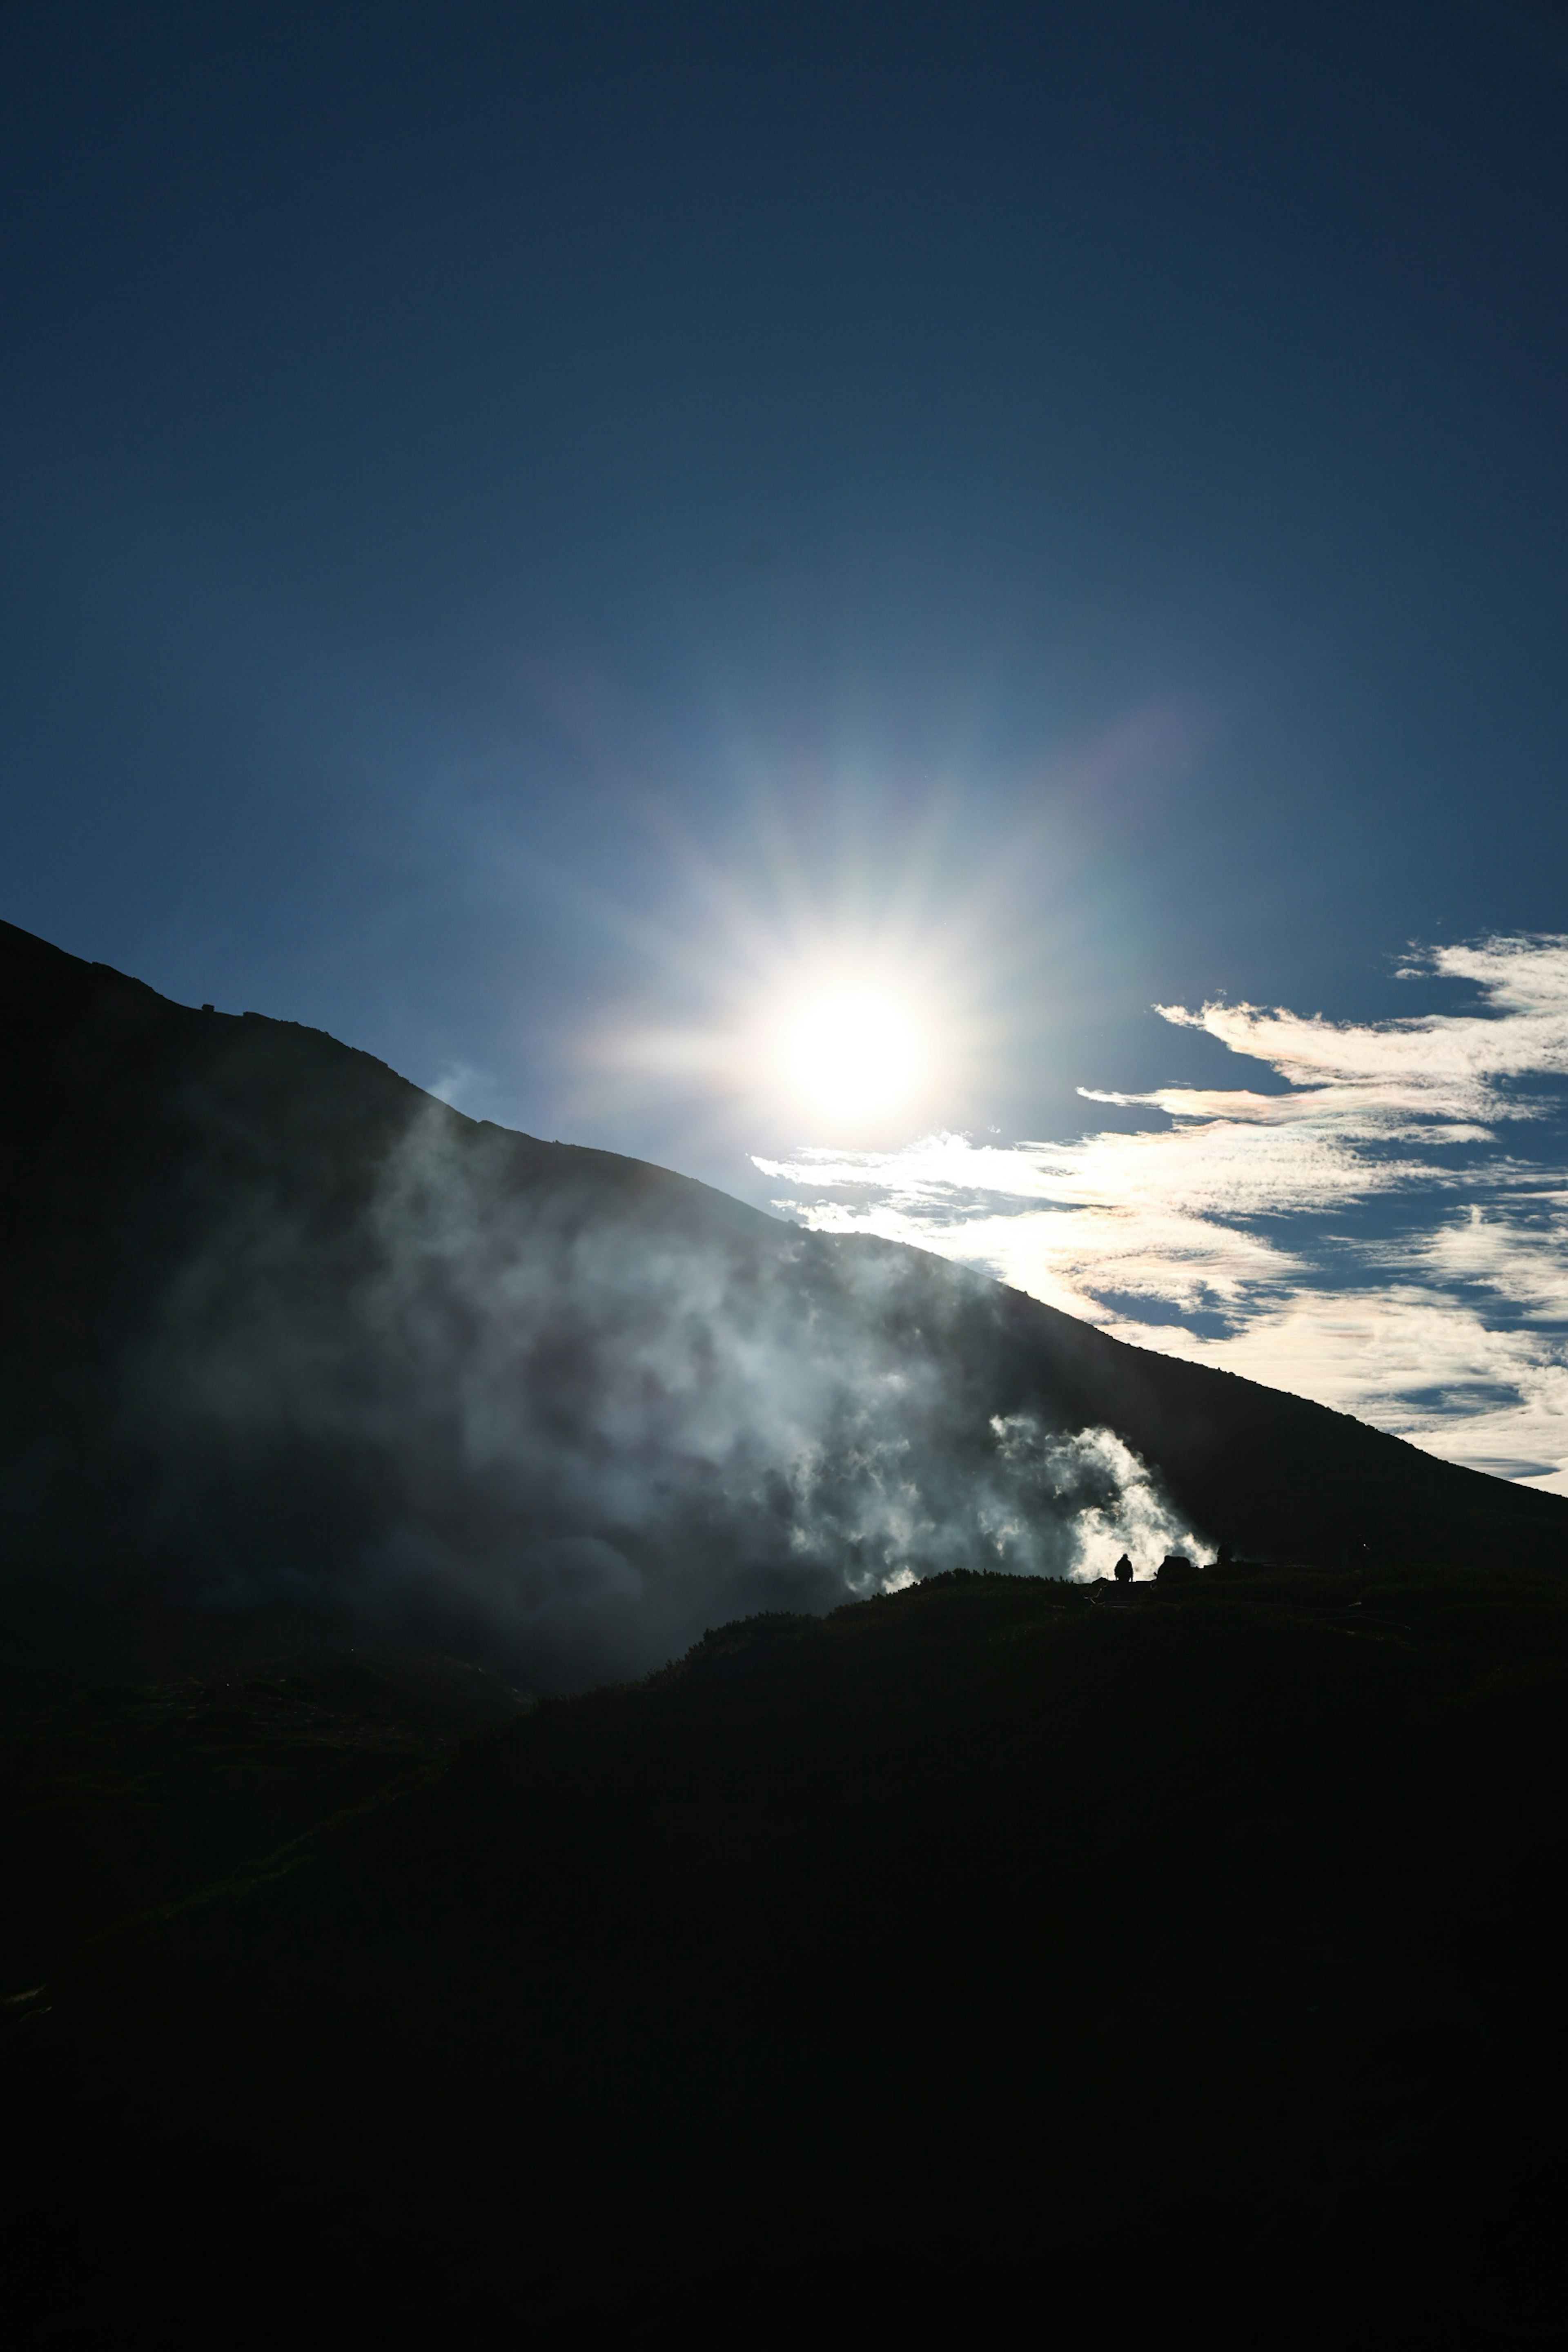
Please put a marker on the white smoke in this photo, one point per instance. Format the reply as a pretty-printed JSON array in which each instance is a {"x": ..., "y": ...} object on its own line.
[{"x": 596, "y": 1428}]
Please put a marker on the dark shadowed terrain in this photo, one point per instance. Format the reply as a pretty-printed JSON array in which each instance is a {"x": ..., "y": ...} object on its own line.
[
  {"x": 1187, "y": 1959},
  {"x": 1186, "y": 1953},
  {"x": 279, "y": 1332}
]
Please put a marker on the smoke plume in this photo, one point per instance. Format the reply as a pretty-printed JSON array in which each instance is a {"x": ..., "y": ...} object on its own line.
[{"x": 585, "y": 1418}]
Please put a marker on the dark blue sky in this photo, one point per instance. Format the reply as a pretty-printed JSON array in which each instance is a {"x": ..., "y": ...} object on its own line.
[{"x": 521, "y": 529}]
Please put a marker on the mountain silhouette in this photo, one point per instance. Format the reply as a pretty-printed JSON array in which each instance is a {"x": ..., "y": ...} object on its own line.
[
  {"x": 1187, "y": 1962},
  {"x": 282, "y": 1333},
  {"x": 1185, "y": 1949}
]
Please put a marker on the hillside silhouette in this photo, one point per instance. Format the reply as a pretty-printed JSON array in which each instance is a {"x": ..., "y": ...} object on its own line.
[
  {"x": 1184, "y": 1960},
  {"x": 284, "y": 1339},
  {"x": 1180, "y": 1952}
]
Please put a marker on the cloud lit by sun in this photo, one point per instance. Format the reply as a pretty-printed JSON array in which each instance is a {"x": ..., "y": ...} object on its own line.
[{"x": 1237, "y": 1237}]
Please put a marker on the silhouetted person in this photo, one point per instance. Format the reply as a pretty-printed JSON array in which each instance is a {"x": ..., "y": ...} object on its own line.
[{"x": 1124, "y": 1570}]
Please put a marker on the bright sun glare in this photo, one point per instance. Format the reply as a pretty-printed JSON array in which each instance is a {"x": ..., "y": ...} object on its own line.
[{"x": 852, "y": 1053}]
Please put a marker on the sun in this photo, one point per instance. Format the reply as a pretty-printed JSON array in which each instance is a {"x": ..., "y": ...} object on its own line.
[{"x": 852, "y": 1053}]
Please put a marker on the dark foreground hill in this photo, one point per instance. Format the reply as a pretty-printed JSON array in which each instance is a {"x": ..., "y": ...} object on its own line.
[
  {"x": 1184, "y": 1966},
  {"x": 1186, "y": 1958},
  {"x": 283, "y": 1339}
]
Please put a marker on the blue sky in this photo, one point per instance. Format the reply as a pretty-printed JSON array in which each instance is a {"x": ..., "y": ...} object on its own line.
[{"x": 545, "y": 539}]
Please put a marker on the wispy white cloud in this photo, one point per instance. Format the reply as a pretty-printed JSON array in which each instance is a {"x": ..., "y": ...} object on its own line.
[{"x": 1359, "y": 1234}]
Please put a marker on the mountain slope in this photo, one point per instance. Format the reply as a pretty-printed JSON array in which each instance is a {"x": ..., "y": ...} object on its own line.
[
  {"x": 1181, "y": 1961},
  {"x": 280, "y": 1332}
]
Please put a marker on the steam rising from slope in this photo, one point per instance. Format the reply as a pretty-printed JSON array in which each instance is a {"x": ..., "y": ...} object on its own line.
[{"x": 592, "y": 1428}]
